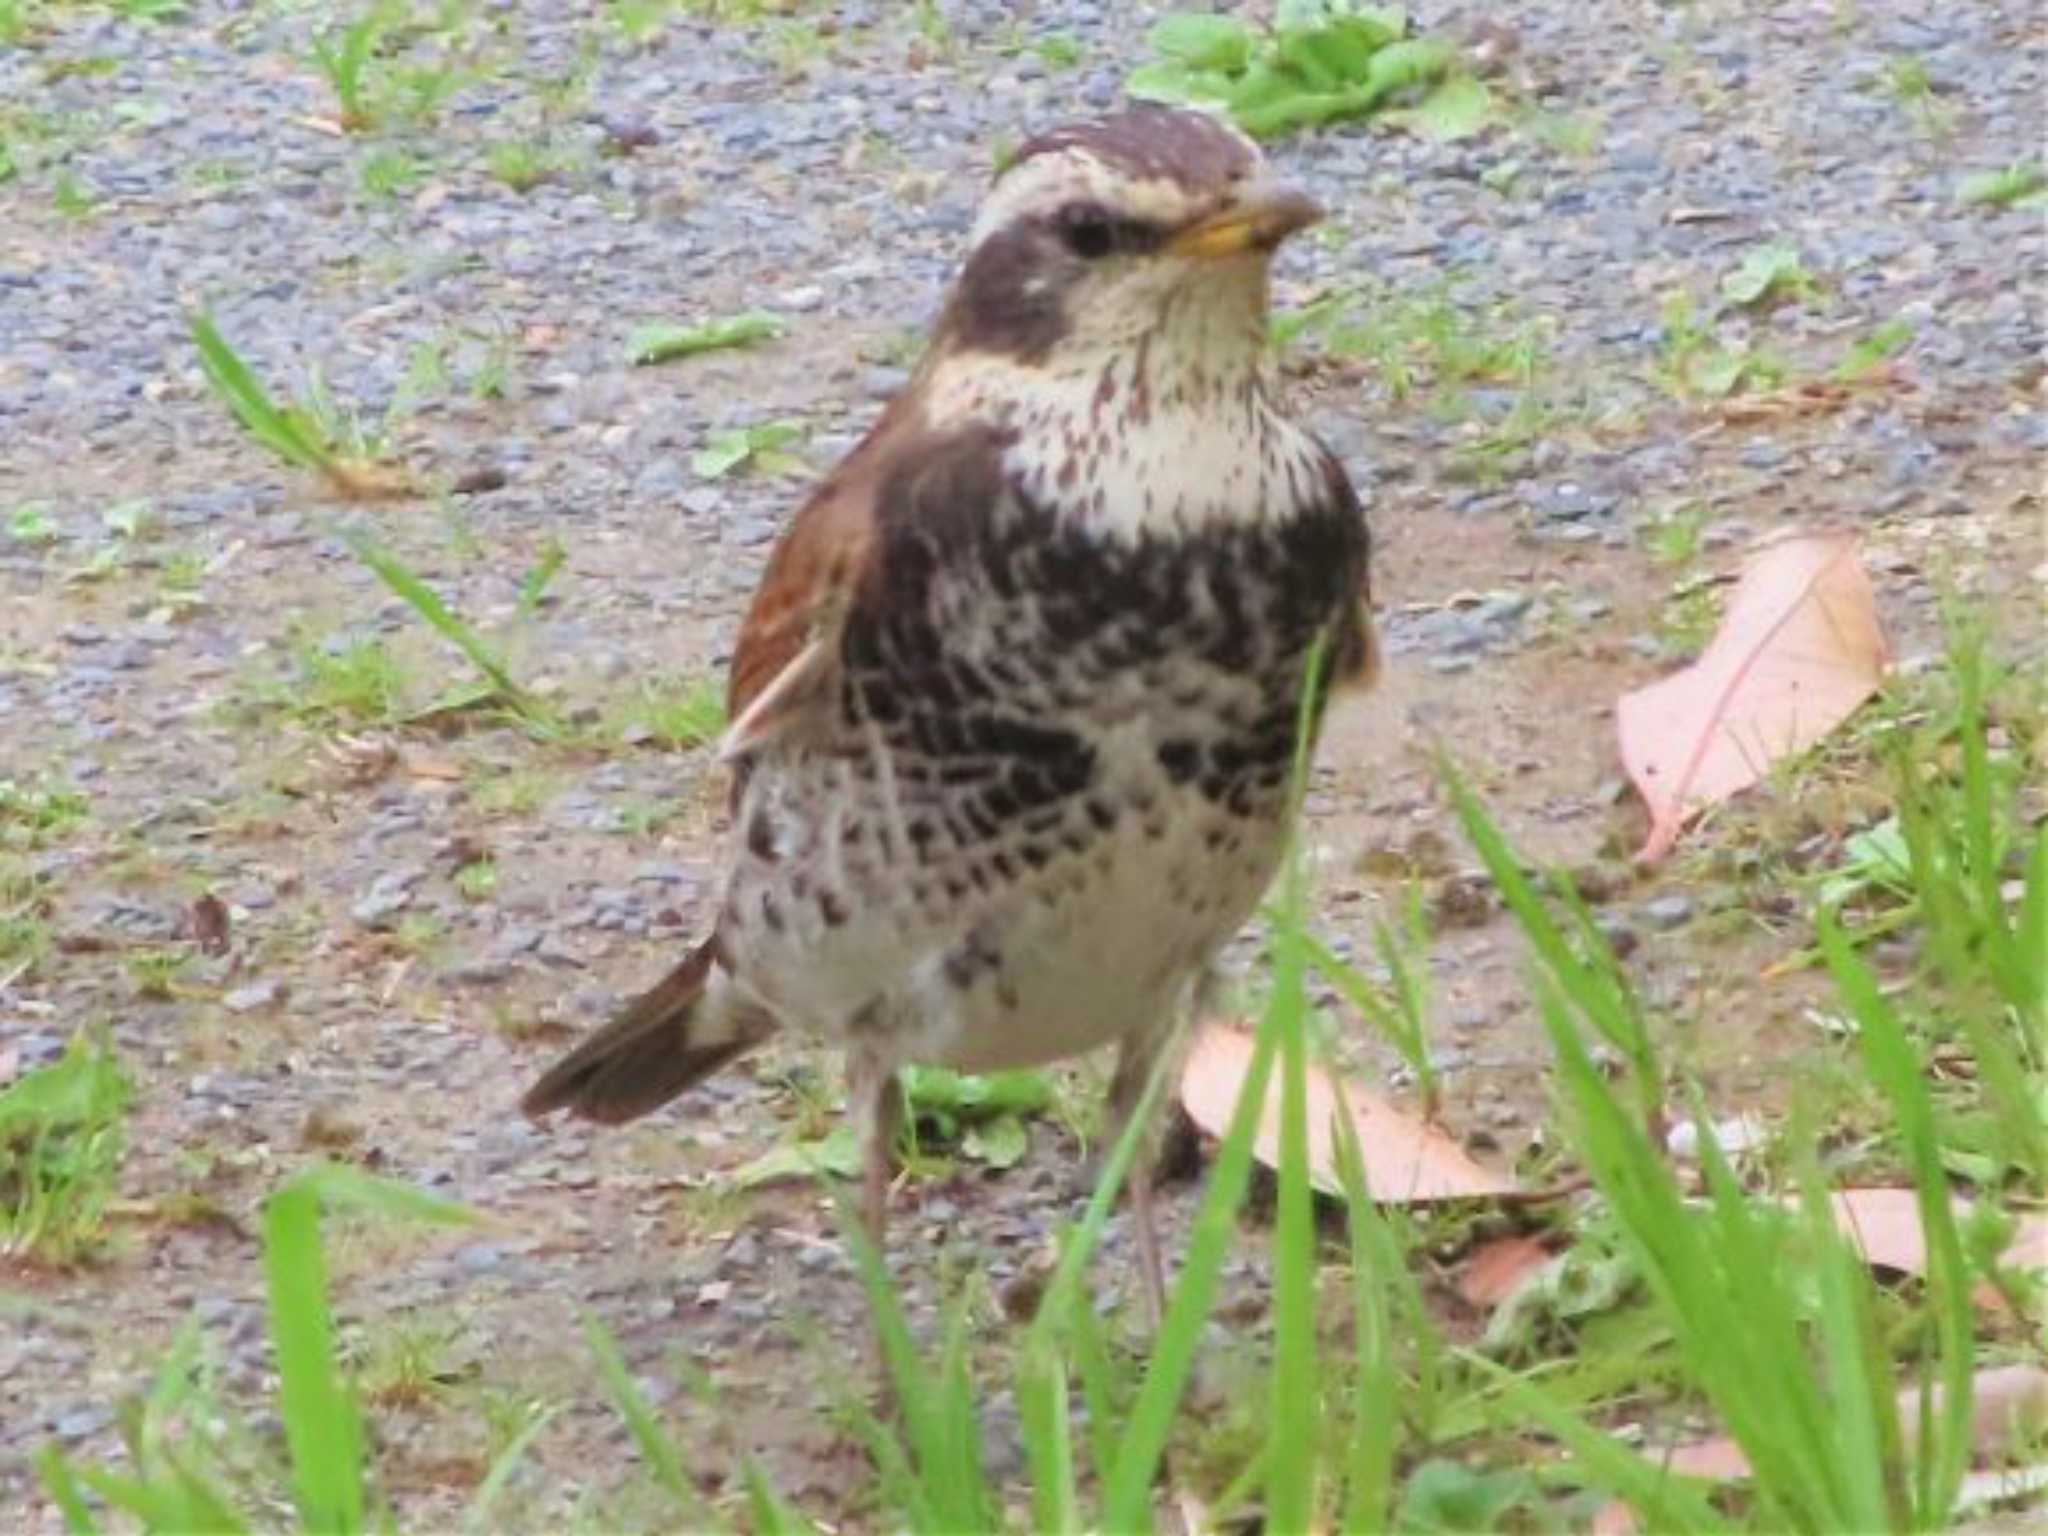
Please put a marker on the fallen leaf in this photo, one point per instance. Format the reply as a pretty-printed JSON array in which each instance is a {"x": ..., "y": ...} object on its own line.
[
  {"x": 1720, "y": 1459},
  {"x": 420, "y": 764},
  {"x": 1564, "y": 1289},
  {"x": 1797, "y": 651},
  {"x": 1884, "y": 1225},
  {"x": 208, "y": 924},
  {"x": 485, "y": 477},
  {"x": 1494, "y": 1271},
  {"x": 362, "y": 759},
  {"x": 1407, "y": 1160},
  {"x": 1000, "y": 1143},
  {"x": 1813, "y": 397},
  {"x": 2006, "y": 1401},
  {"x": 836, "y": 1155}
]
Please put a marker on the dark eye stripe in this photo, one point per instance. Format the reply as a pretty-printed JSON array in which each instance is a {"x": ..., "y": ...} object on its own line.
[{"x": 1090, "y": 230}]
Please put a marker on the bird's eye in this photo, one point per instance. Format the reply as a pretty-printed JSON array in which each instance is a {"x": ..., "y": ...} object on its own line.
[{"x": 1088, "y": 231}]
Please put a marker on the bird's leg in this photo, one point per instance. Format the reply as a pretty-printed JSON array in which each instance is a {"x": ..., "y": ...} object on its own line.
[
  {"x": 1151, "y": 1267},
  {"x": 878, "y": 1104},
  {"x": 1135, "y": 1061},
  {"x": 876, "y": 1099}
]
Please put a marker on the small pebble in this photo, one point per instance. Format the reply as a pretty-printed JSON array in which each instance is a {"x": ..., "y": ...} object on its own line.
[{"x": 1668, "y": 912}]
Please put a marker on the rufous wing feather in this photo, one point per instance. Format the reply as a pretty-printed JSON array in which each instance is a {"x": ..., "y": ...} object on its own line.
[{"x": 785, "y": 668}]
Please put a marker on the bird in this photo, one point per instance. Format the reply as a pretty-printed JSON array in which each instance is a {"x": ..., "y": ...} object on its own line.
[{"x": 1014, "y": 709}]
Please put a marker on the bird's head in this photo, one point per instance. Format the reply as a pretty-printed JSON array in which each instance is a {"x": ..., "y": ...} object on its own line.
[{"x": 1150, "y": 223}]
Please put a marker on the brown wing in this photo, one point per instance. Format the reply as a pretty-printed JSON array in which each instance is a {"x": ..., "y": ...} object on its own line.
[
  {"x": 1354, "y": 644},
  {"x": 786, "y": 662}
]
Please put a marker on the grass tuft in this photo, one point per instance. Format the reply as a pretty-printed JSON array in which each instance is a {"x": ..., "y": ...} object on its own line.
[
  {"x": 1725, "y": 1296},
  {"x": 63, "y": 1131},
  {"x": 304, "y": 435}
]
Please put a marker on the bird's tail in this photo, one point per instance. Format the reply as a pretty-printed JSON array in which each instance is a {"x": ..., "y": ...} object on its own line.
[{"x": 684, "y": 1029}]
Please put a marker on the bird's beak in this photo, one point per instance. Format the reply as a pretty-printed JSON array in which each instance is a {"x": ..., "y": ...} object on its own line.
[{"x": 1258, "y": 219}]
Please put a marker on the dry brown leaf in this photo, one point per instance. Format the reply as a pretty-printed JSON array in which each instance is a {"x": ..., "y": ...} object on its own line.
[
  {"x": 1813, "y": 397},
  {"x": 1407, "y": 1160},
  {"x": 208, "y": 924},
  {"x": 1797, "y": 651},
  {"x": 421, "y": 764},
  {"x": 1494, "y": 1271},
  {"x": 362, "y": 759}
]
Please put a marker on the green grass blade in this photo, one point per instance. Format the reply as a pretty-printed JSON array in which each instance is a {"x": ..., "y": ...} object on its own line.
[
  {"x": 657, "y": 1449},
  {"x": 2031, "y": 953},
  {"x": 941, "y": 1482},
  {"x": 1369, "y": 1447},
  {"x": 238, "y": 387},
  {"x": 1352, "y": 985},
  {"x": 1593, "y": 986},
  {"x": 206, "y": 1508},
  {"x": 323, "y": 1427},
  {"x": 533, "y": 585},
  {"x": 1126, "y": 1504},
  {"x": 1861, "y": 1386},
  {"x": 1126, "y": 1500},
  {"x": 896, "y": 1475},
  {"x": 426, "y": 602},
  {"x": 1048, "y": 1440},
  {"x": 1713, "y": 1281},
  {"x": 1063, "y": 1292},
  {"x": 967, "y": 1502},
  {"x": 337, "y": 1184},
  {"x": 1296, "y": 1388},
  {"x": 1980, "y": 841},
  {"x": 771, "y": 1514},
  {"x": 162, "y": 1504},
  {"x": 1098, "y": 1380},
  {"x": 476, "y": 1519},
  {"x": 1787, "y": 1433},
  {"x": 1664, "y": 1502},
  {"x": 1943, "y": 1449},
  {"x": 62, "y": 1487}
]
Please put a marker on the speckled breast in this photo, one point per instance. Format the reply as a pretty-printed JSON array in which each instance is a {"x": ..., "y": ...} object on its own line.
[{"x": 1059, "y": 782}]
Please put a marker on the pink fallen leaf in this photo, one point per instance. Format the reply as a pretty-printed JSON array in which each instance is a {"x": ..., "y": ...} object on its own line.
[
  {"x": 1884, "y": 1225},
  {"x": 2007, "y": 1402},
  {"x": 1798, "y": 649},
  {"x": 1495, "y": 1270},
  {"x": 1407, "y": 1160}
]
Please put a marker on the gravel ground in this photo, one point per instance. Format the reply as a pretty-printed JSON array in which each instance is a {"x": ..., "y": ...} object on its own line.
[{"x": 828, "y": 172}]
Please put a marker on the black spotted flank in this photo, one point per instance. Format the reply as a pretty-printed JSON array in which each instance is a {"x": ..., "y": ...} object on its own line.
[{"x": 1181, "y": 758}]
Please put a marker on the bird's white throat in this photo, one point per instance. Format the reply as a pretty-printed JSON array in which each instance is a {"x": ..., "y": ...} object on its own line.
[{"x": 1163, "y": 428}]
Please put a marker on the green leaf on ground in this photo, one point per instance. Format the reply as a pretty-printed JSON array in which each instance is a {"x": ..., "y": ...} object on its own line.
[{"x": 662, "y": 341}]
